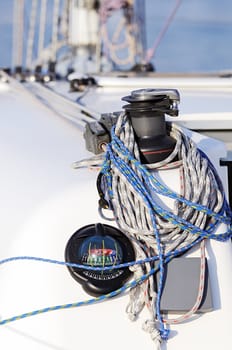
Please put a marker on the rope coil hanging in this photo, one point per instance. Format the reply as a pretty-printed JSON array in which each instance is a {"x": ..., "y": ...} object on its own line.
[
  {"x": 120, "y": 46},
  {"x": 133, "y": 190}
]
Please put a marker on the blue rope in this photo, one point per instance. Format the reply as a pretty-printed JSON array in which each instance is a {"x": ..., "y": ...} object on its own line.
[
  {"x": 101, "y": 298},
  {"x": 96, "y": 268},
  {"x": 168, "y": 257},
  {"x": 85, "y": 302}
]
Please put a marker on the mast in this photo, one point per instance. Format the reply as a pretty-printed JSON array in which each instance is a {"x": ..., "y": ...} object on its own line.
[{"x": 83, "y": 33}]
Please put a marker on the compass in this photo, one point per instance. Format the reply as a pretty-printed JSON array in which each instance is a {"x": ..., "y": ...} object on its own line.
[{"x": 103, "y": 247}]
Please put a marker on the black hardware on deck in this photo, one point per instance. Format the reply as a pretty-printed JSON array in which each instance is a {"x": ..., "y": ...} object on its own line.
[{"x": 146, "y": 109}]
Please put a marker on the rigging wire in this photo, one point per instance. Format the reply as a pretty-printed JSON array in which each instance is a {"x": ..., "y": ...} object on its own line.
[
  {"x": 37, "y": 54},
  {"x": 64, "y": 19},
  {"x": 18, "y": 33},
  {"x": 54, "y": 47},
  {"x": 152, "y": 51},
  {"x": 140, "y": 20},
  {"x": 31, "y": 34},
  {"x": 42, "y": 27}
]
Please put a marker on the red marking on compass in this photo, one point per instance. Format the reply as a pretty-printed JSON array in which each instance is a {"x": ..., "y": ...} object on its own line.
[{"x": 101, "y": 251}]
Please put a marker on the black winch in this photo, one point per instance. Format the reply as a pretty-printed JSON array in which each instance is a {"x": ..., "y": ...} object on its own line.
[
  {"x": 147, "y": 109},
  {"x": 99, "y": 246}
]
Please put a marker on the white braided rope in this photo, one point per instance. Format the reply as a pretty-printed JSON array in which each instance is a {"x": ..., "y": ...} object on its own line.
[
  {"x": 199, "y": 187},
  {"x": 115, "y": 44},
  {"x": 133, "y": 216}
]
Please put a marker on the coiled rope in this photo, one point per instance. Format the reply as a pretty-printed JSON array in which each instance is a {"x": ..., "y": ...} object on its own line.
[
  {"x": 158, "y": 233},
  {"x": 114, "y": 45},
  {"x": 133, "y": 191}
]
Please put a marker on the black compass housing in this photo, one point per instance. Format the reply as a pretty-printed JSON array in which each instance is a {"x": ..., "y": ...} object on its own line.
[
  {"x": 147, "y": 108},
  {"x": 99, "y": 245}
]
